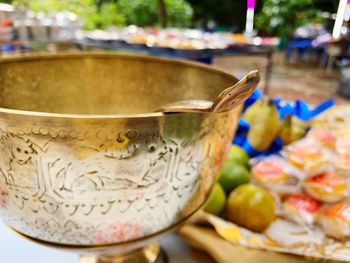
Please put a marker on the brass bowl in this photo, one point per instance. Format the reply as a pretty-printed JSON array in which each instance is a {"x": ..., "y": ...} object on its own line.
[{"x": 84, "y": 162}]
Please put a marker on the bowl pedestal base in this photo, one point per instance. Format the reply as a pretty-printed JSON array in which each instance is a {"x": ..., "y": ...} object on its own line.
[{"x": 151, "y": 253}]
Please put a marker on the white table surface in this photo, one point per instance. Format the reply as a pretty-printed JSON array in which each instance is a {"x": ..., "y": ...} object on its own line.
[{"x": 14, "y": 249}]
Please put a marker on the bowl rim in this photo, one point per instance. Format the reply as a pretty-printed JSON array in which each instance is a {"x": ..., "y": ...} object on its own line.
[{"x": 36, "y": 57}]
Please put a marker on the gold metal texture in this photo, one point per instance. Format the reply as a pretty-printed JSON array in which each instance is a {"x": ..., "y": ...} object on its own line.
[
  {"x": 112, "y": 253},
  {"x": 83, "y": 160}
]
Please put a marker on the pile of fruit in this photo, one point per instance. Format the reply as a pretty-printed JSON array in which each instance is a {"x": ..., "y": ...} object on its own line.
[
  {"x": 266, "y": 126},
  {"x": 235, "y": 199},
  {"x": 307, "y": 182}
]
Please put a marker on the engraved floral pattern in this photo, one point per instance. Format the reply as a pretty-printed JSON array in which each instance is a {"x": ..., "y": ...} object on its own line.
[
  {"x": 68, "y": 185},
  {"x": 4, "y": 196}
]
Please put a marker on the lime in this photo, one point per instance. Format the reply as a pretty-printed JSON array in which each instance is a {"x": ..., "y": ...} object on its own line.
[
  {"x": 233, "y": 175},
  {"x": 238, "y": 155},
  {"x": 217, "y": 201},
  {"x": 250, "y": 206}
]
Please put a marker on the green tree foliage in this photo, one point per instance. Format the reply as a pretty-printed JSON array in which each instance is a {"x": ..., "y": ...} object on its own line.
[
  {"x": 223, "y": 12},
  {"x": 179, "y": 13},
  {"x": 282, "y": 17},
  {"x": 277, "y": 17},
  {"x": 109, "y": 15},
  {"x": 92, "y": 15},
  {"x": 102, "y": 13},
  {"x": 139, "y": 12},
  {"x": 146, "y": 12}
]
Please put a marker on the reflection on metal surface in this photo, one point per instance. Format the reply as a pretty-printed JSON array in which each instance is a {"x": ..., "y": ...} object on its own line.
[
  {"x": 76, "y": 170},
  {"x": 146, "y": 254}
]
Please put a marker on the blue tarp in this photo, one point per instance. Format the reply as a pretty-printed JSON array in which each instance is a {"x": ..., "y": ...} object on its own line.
[{"x": 299, "y": 109}]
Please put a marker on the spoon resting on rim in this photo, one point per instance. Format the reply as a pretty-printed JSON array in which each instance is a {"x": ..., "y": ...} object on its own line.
[{"x": 227, "y": 100}]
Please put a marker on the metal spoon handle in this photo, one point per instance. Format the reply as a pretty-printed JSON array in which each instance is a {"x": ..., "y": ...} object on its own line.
[
  {"x": 237, "y": 94},
  {"x": 227, "y": 100}
]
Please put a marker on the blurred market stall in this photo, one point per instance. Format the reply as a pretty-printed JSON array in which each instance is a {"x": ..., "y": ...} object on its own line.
[{"x": 21, "y": 31}]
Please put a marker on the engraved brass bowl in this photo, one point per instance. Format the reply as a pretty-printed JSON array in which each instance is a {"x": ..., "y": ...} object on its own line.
[{"x": 84, "y": 162}]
